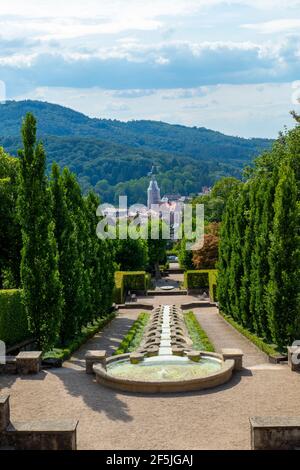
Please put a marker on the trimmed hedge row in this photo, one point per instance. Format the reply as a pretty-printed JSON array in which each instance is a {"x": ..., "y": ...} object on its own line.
[
  {"x": 133, "y": 338},
  {"x": 129, "y": 281},
  {"x": 200, "y": 339},
  {"x": 87, "y": 332},
  {"x": 13, "y": 320},
  {"x": 201, "y": 279},
  {"x": 260, "y": 343}
]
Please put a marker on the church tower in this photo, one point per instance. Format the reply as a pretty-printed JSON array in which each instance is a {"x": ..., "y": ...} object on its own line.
[{"x": 153, "y": 190}]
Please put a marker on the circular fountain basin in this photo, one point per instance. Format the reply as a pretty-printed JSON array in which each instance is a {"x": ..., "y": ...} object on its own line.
[{"x": 164, "y": 375}]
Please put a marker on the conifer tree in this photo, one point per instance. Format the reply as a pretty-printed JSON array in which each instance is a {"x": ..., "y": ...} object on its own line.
[
  {"x": 70, "y": 268},
  {"x": 284, "y": 260},
  {"x": 100, "y": 262},
  {"x": 77, "y": 215},
  {"x": 42, "y": 290}
]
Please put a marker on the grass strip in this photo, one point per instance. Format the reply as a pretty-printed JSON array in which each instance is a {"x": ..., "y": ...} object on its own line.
[
  {"x": 133, "y": 338},
  {"x": 200, "y": 339}
]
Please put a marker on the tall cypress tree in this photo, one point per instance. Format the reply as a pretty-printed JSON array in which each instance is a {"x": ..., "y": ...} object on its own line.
[
  {"x": 284, "y": 260},
  {"x": 76, "y": 212},
  {"x": 100, "y": 262},
  {"x": 236, "y": 258},
  {"x": 66, "y": 235},
  {"x": 42, "y": 290}
]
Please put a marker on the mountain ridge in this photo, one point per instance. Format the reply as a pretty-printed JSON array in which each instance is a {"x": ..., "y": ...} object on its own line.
[{"x": 121, "y": 153}]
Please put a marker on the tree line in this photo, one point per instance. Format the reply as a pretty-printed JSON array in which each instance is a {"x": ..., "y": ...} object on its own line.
[
  {"x": 49, "y": 245},
  {"x": 259, "y": 252}
]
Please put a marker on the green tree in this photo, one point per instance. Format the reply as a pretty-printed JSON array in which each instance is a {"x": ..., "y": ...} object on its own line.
[
  {"x": 78, "y": 218},
  {"x": 10, "y": 231},
  {"x": 100, "y": 261},
  {"x": 157, "y": 247},
  {"x": 284, "y": 260},
  {"x": 42, "y": 290},
  {"x": 132, "y": 255},
  {"x": 70, "y": 266}
]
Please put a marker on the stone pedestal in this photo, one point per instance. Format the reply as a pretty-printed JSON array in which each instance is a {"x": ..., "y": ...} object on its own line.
[
  {"x": 29, "y": 362},
  {"x": 294, "y": 357},
  {"x": 94, "y": 357},
  {"x": 235, "y": 354},
  {"x": 4, "y": 412},
  {"x": 194, "y": 355},
  {"x": 177, "y": 350},
  {"x": 152, "y": 350},
  {"x": 136, "y": 357},
  {"x": 275, "y": 433}
]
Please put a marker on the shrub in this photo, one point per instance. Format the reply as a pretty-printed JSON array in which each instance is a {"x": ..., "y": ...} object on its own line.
[
  {"x": 129, "y": 281},
  {"x": 86, "y": 332},
  {"x": 135, "y": 280},
  {"x": 200, "y": 279},
  {"x": 268, "y": 349},
  {"x": 13, "y": 320},
  {"x": 196, "y": 279}
]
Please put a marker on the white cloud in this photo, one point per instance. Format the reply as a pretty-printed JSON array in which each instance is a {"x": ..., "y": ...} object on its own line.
[{"x": 275, "y": 26}]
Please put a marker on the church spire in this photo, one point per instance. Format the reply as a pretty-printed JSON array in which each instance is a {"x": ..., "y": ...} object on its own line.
[{"x": 153, "y": 190}]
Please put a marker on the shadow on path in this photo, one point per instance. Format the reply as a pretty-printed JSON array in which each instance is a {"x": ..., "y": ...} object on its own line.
[{"x": 79, "y": 384}]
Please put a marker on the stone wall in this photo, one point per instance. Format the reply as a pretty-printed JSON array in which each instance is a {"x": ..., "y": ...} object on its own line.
[
  {"x": 275, "y": 433},
  {"x": 35, "y": 435}
]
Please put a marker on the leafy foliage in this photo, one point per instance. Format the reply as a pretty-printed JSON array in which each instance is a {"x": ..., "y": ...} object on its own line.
[
  {"x": 10, "y": 230},
  {"x": 13, "y": 319},
  {"x": 207, "y": 256},
  {"x": 259, "y": 342},
  {"x": 129, "y": 281},
  {"x": 42, "y": 289},
  {"x": 132, "y": 255},
  {"x": 196, "y": 279},
  {"x": 259, "y": 255},
  {"x": 86, "y": 333}
]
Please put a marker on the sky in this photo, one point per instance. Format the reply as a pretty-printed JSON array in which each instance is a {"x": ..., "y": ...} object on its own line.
[{"x": 232, "y": 66}]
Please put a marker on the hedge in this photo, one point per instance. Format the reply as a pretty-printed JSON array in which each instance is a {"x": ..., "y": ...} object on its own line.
[
  {"x": 259, "y": 342},
  {"x": 133, "y": 338},
  {"x": 119, "y": 288},
  {"x": 129, "y": 281},
  {"x": 13, "y": 320},
  {"x": 87, "y": 332},
  {"x": 200, "y": 279},
  {"x": 196, "y": 279}
]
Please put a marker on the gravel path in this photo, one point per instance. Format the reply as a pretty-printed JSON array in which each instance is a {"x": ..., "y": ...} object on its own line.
[
  {"x": 223, "y": 335},
  {"x": 213, "y": 419}
]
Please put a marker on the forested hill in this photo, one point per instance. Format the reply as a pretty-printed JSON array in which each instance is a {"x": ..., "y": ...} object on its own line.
[{"x": 114, "y": 157}]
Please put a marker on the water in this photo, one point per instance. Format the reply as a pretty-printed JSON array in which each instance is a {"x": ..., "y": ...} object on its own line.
[
  {"x": 165, "y": 366},
  {"x": 165, "y": 348},
  {"x": 164, "y": 369}
]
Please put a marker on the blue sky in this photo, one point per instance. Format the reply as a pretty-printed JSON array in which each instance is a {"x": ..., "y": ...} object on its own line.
[{"x": 232, "y": 66}]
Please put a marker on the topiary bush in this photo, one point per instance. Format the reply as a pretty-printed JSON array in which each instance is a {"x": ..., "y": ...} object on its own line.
[
  {"x": 196, "y": 279},
  {"x": 13, "y": 320},
  {"x": 202, "y": 279},
  {"x": 129, "y": 281},
  {"x": 134, "y": 281}
]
